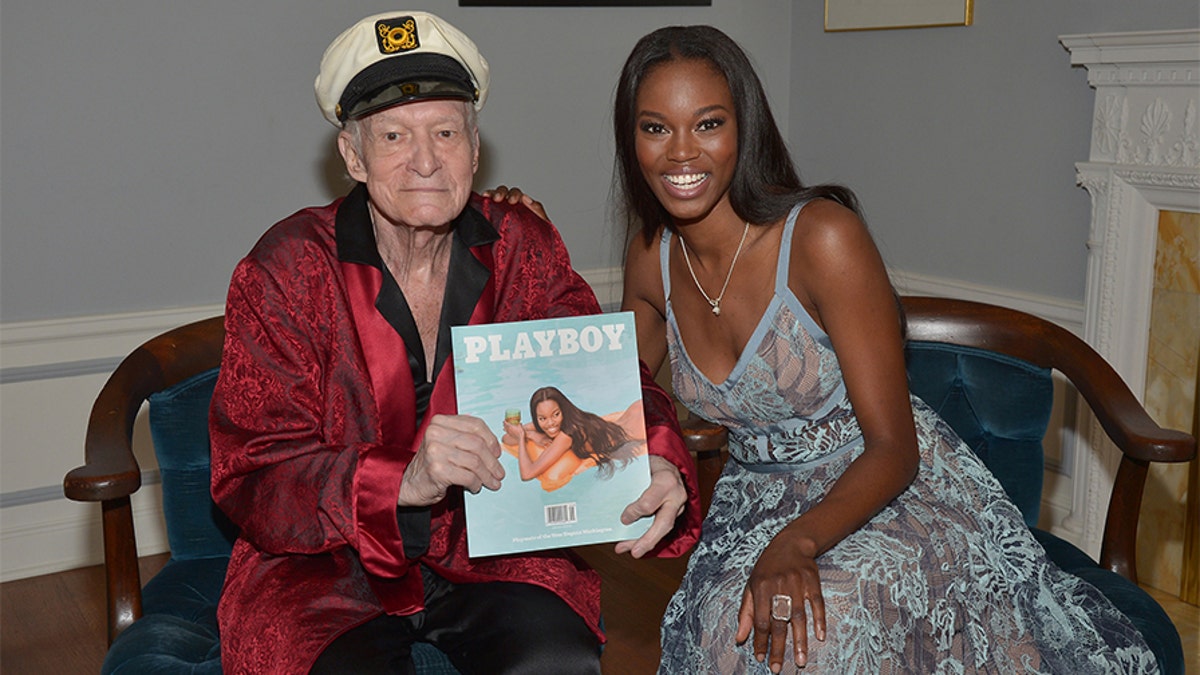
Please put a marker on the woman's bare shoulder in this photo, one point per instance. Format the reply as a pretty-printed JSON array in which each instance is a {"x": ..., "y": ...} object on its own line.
[
  {"x": 825, "y": 217},
  {"x": 641, "y": 250},
  {"x": 826, "y": 232}
]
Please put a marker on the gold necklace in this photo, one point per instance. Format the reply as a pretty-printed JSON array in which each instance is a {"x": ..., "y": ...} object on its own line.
[{"x": 715, "y": 304}]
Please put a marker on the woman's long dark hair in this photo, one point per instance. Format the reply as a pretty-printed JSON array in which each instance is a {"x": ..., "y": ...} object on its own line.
[
  {"x": 765, "y": 182},
  {"x": 591, "y": 435}
]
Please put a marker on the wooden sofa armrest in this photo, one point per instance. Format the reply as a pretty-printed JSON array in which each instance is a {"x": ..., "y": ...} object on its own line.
[
  {"x": 1125, "y": 421},
  {"x": 111, "y": 470},
  {"x": 1118, "y": 545},
  {"x": 702, "y": 437},
  {"x": 1018, "y": 334},
  {"x": 706, "y": 441},
  {"x": 1048, "y": 345},
  {"x": 111, "y": 473},
  {"x": 1120, "y": 414}
]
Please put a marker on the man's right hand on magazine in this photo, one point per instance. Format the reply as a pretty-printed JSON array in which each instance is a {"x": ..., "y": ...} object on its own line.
[{"x": 456, "y": 450}]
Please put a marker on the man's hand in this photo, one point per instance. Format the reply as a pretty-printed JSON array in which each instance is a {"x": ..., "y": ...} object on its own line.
[
  {"x": 514, "y": 195},
  {"x": 456, "y": 450},
  {"x": 664, "y": 499}
]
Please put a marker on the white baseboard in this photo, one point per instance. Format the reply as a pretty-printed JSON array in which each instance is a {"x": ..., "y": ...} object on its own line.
[
  {"x": 52, "y": 370},
  {"x": 62, "y": 535}
]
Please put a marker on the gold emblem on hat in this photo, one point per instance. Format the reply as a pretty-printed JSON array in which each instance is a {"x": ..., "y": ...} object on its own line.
[{"x": 397, "y": 38}]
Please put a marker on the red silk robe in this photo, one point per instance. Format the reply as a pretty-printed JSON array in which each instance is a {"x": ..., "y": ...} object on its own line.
[{"x": 314, "y": 422}]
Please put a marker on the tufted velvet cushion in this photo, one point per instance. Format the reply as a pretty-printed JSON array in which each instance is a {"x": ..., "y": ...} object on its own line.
[
  {"x": 178, "y": 629},
  {"x": 196, "y": 528},
  {"x": 1001, "y": 407}
]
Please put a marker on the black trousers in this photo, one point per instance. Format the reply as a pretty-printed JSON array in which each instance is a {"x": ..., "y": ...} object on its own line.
[{"x": 498, "y": 627}]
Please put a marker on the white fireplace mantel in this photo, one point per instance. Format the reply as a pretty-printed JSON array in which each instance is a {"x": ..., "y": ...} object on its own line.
[{"x": 1144, "y": 158}]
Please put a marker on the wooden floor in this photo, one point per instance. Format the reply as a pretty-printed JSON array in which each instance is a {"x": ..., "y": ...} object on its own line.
[
  {"x": 54, "y": 624},
  {"x": 1187, "y": 619}
]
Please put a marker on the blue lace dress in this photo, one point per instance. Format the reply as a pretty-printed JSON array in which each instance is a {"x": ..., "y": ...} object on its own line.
[{"x": 945, "y": 579}]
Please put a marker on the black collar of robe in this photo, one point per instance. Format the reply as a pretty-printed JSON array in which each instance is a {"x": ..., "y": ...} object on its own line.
[{"x": 465, "y": 281}]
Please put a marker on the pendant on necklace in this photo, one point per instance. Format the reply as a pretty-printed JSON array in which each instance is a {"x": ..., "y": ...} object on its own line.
[{"x": 715, "y": 304}]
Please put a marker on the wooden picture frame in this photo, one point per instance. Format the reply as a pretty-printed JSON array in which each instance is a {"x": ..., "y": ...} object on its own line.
[
  {"x": 851, "y": 15},
  {"x": 584, "y": 3}
]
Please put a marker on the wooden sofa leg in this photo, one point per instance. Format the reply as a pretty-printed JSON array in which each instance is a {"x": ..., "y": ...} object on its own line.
[
  {"x": 1119, "y": 550},
  {"x": 124, "y": 584}
]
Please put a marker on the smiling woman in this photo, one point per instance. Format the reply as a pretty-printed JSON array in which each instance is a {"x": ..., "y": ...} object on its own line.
[
  {"x": 687, "y": 139},
  {"x": 852, "y": 530},
  {"x": 563, "y": 440}
]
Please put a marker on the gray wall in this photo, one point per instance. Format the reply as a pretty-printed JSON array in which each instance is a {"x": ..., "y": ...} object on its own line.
[
  {"x": 145, "y": 145},
  {"x": 961, "y": 142}
]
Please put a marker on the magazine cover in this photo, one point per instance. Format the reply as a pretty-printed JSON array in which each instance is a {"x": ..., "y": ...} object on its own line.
[{"x": 564, "y": 398}]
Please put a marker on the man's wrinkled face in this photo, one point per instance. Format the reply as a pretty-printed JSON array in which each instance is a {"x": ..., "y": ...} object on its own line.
[{"x": 418, "y": 161}]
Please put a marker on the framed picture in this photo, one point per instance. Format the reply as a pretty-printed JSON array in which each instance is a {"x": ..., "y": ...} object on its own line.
[
  {"x": 584, "y": 3},
  {"x": 843, "y": 15}
]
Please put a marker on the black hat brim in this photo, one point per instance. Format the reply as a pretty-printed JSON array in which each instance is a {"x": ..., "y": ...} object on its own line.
[{"x": 402, "y": 79}]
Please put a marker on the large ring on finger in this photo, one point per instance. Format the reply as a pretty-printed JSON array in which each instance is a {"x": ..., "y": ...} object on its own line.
[{"x": 781, "y": 607}]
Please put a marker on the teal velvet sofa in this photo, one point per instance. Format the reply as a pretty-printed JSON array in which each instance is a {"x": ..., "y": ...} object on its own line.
[{"x": 986, "y": 369}]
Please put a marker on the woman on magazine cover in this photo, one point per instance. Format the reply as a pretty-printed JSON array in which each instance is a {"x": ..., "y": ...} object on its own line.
[{"x": 562, "y": 441}]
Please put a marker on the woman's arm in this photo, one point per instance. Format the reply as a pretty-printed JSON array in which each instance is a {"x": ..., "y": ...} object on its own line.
[
  {"x": 839, "y": 276},
  {"x": 532, "y": 434},
  {"x": 643, "y": 295},
  {"x": 853, "y": 301},
  {"x": 673, "y": 496}
]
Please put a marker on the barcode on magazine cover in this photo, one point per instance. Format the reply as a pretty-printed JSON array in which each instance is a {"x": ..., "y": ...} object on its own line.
[{"x": 560, "y": 514}]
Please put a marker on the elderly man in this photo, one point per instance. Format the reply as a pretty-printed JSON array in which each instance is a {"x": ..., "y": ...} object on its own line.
[{"x": 336, "y": 447}]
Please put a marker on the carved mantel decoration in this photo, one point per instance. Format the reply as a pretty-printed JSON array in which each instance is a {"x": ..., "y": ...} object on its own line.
[{"x": 1144, "y": 158}]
